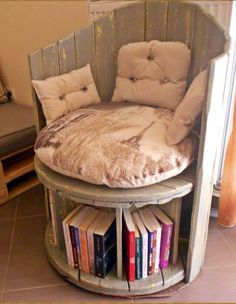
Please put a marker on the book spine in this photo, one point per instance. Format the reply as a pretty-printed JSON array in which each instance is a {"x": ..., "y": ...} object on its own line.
[
  {"x": 77, "y": 244},
  {"x": 68, "y": 244},
  {"x": 158, "y": 248},
  {"x": 138, "y": 262},
  {"x": 91, "y": 252},
  {"x": 73, "y": 245},
  {"x": 84, "y": 251},
  {"x": 154, "y": 251},
  {"x": 150, "y": 252},
  {"x": 131, "y": 255},
  {"x": 165, "y": 245},
  {"x": 144, "y": 256},
  {"x": 99, "y": 251}
]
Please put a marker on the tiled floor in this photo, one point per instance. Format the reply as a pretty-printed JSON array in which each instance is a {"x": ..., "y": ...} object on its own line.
[{"x": 26, "y": 276}]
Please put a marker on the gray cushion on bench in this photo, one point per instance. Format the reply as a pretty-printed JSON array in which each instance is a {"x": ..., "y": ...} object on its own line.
[{"x": 17, "y": 128}]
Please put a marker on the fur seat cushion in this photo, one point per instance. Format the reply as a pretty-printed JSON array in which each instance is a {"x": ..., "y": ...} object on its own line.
[{"x": 120, "y": 145}]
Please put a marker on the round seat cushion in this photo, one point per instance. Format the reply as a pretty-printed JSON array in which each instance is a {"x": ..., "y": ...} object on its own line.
[{"x": 116, "y": 144}]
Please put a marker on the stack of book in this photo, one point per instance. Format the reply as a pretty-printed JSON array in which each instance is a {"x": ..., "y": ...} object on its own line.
[
  {"x": 147, "y": 235},
  {"x": 90, "y": 240}
]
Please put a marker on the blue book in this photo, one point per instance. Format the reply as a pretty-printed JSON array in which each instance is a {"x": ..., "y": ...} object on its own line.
[
  {"x": 77, "y": 243},
  {"x": 150, "y": 232}
]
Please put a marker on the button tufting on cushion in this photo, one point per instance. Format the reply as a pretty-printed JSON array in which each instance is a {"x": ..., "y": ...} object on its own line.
[
  {"x": 152, "y": 64},
  {"x": 84, "y": 89},
  {"x": 133, "y": 79},
  {"x": 150, "y": 57},
  {"x": 61, "y": 97},
  {"x": 164, "y": 80}
]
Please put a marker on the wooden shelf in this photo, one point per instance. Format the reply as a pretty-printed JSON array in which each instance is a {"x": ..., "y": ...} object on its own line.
[
  {"x": 111, "y": 285},
  {"x": 17, "y": 174},
  {"x": 23, "y": 186},
  {"x": 19, "y": 168}
]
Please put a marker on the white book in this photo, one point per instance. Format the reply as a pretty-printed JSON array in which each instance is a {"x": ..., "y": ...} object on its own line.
[
  {"x": 66, "y": 230},
  {"x": 157, "y": 227},
  {"x": 144, "y": 236}
]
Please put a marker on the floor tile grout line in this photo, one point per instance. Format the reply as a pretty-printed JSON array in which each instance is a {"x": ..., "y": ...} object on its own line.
[
  {"x": 31, "y": 216},
  {"x": 10, "y": 249},
  {"x": 226, "y": 241},
  {"x": 35, "y": 287}
]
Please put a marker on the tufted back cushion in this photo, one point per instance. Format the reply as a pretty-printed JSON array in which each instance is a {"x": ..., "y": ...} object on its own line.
[
  {"x": 62, "y": 94},
  {"x": 152, "y": 73}
]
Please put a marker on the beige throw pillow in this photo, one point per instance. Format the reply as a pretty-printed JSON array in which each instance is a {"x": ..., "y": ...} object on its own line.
[
  {"x": 65, "y": 93},
  {"x": 188, "y": 110},
  {"x": 152, "y": 73}
]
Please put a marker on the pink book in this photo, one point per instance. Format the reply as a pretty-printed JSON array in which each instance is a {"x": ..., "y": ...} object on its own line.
[{"x": 166, "y": 235}]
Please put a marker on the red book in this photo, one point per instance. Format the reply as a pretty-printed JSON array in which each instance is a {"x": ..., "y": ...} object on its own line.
[{"x": 129, "y": 245}]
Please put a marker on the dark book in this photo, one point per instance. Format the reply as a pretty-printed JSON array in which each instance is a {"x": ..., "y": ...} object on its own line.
[
  {"x": 105, "y": 245},
  {"x": 138, "y": 255}
]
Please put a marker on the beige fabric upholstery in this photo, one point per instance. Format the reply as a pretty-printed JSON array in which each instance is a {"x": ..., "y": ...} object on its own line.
[
  {"x": 65, "y": 93},
  {"x": 188, "y": 110},
  {"x": 116, "y": 144},
  {"x": 152, "y": 73},
  {"x": 17, "y": 128}
]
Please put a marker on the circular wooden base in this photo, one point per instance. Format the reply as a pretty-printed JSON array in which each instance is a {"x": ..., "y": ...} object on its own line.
[{"x": 111, "y": 285}]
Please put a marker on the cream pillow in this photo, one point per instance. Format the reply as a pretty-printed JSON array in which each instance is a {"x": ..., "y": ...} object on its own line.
[
  {"x": 65, "y": 93},
  {"x": 152, "y": 73},
  {"x": 188, "y": 110}
]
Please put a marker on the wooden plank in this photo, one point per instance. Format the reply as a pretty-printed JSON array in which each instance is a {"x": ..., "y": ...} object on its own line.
[
  {"x": 114, "y": 285},
  {"x": 151, "y": 284},
  {"x": 36, "y": 65},
  {"x": 67, "y": 54},
  {"x": 58, "y": 258},
  {"x": 85, "y": 48},
  {"x": 156, "y": 19},
  {"x": 205, "y": 167},
  {"x": 1, "y": 172},
  {"x": 19, "y": 168},
  {"x": 173, "y": 274},
  {"x": 37, "y": 73},
  {"x": 50, "y": 60},
  {"x": 90, "y": 280},
  {"x": 173, "y": 210},
  {"x": 129, "y": 29},
  {"x": 56, "y": 208},
  {"x": 23, "y": 186},
  {"x": 17, "y": 152},
  {"x": 104, "y": 52},
  {"x": 209, "y": 42},
  {"x": 3, "y": 194},
  {"x": 181, "y": 22},
  {"x": 115, "y": 197},
  {"x": 177, "y": 184},
  {"x": 119, "y": 242},
  {"x": 47, "y": 202}
]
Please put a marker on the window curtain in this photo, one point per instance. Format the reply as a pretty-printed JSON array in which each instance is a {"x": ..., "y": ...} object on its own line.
[{"x": 227, "y": 206}]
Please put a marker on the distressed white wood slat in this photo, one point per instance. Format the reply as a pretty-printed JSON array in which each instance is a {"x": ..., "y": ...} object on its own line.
[
  {"x": 50, "y": 60},
  {"x": 205, "y": 168},
  {"x": 67, "y": 54},
  {"x": 85, "y": 48}
]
